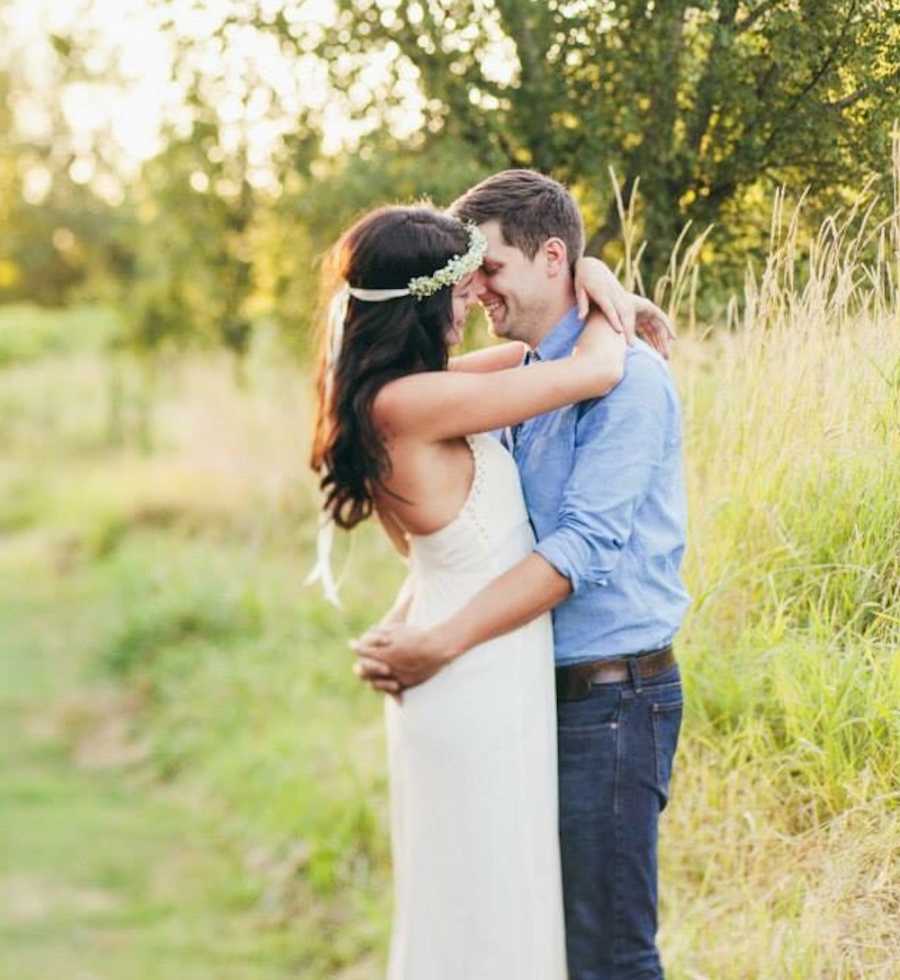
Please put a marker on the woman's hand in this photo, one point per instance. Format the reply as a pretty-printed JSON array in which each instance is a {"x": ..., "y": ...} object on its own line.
[
  {"x": 627, "y": 312},
  {"x": 598, "y": 341}
]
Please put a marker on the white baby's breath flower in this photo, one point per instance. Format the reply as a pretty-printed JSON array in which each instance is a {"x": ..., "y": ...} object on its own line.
[{"x": 457, "y": 268}]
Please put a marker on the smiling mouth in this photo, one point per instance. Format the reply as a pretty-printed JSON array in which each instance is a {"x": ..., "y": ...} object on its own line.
[{"x": 495, "y": 309}]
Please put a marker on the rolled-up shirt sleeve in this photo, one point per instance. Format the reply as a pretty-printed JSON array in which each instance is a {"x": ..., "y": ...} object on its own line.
[{"x": 619, "y": 441}]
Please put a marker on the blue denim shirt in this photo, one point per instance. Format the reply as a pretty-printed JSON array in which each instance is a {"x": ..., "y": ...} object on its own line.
[{"x": 603, "y": 484}]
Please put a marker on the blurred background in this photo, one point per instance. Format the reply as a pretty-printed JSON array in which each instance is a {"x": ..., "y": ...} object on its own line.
[{"x": 194, "y": 783}]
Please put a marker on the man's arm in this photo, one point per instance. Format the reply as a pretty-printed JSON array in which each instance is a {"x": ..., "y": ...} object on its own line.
[
  {"x": 529, "y": 588},
  {"x": 393, "y": 657},
  {"x": 619, "y": 441}
]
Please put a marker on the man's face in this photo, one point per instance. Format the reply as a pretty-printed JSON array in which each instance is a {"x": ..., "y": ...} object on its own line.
[{"x": 513, "y": 287}]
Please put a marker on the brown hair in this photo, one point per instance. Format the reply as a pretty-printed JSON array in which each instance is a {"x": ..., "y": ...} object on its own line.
[
  {"x": 381, "y": 341},
  {"x": 530, "y": 208}
]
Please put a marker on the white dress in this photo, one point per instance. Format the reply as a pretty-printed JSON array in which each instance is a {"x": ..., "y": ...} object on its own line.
[{"x": 472, "y": 759}]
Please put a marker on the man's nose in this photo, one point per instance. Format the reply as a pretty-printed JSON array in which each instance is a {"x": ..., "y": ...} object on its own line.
[{"x": 481, "y": 285}]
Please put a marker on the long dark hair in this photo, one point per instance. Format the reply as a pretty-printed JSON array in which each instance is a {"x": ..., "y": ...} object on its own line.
[{"x": 381, "y": 341}]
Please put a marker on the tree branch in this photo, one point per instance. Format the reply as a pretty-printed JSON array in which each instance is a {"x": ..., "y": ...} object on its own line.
[
  {"x": 848, "y": 100},
  {"x": 816, "y": 77},
  {"x": 752, "y": 18}
]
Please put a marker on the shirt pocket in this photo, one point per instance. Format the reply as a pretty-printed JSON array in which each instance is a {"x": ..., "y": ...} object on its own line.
[{"x": 547, "y": 450}]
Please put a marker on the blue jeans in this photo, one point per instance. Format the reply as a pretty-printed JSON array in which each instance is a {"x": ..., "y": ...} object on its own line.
[{"x": 616, "y": 748}]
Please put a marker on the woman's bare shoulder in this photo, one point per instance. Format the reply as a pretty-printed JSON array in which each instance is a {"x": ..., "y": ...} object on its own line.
[{"x": 394, "y": 406}]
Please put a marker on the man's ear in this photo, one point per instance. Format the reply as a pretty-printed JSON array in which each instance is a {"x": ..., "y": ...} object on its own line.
[{"x": 556, "y": 255}]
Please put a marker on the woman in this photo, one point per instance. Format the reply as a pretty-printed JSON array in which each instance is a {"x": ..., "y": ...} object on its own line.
[{"x": 471, "y": 753}]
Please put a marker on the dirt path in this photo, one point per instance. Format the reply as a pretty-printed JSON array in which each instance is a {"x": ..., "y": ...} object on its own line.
[{"x": 102, "y": 877}]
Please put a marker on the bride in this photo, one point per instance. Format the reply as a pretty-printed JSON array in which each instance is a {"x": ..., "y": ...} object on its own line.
[{"x": 472, "y": 753}]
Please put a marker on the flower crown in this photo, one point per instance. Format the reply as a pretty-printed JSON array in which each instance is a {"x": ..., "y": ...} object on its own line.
[{"x": 457, "y": 268}]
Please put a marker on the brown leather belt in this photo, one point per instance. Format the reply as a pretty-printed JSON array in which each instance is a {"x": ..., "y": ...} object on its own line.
[{"x": 575, "y": 682}]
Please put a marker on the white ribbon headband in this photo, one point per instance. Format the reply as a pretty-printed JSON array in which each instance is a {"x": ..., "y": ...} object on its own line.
[
  {"x": 457, "y": 268},
  {"x": 321, "y": 571},
  {"x": 377, "y": 295}
]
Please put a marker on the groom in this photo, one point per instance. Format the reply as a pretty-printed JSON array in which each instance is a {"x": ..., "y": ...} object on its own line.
[{"x": 603, "y": 485}]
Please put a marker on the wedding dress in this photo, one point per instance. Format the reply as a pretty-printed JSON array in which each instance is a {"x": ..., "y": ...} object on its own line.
[{"x": 472, "y": 759}]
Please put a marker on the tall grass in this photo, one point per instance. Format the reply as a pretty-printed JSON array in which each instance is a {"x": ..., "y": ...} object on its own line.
[
  {"x": 781, "y": 843},
  {"x": 785, "y": 836}
]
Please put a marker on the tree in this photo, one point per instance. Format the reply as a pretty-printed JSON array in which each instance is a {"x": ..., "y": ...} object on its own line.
[
  {"x": 63, "y": 241},
  {"x": 699, "y": 100}
]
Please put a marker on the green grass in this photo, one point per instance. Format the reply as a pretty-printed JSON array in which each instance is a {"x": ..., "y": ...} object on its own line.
[
  {"x": 148, "y": 575},
  {"x": 101, "y": 873},
  {"x": 29, "y": 332},
  {"x": 204, "y": 646}
]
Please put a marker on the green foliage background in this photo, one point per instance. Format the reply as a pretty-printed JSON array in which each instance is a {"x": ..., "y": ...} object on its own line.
[{"x": 699, "y": 110}]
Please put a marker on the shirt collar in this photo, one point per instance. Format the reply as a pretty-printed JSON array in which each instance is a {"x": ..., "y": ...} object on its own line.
[{"x": 561, "y": 339}]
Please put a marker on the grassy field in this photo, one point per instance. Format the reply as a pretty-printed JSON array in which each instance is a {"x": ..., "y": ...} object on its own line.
[{"x": 196, "y": 781}]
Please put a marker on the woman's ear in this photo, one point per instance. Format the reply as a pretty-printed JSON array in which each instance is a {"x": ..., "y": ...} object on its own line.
[{"x": 556, "y": 255}]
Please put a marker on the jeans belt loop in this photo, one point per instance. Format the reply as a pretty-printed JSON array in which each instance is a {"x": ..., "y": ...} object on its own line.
[{"x": 635, "y": 674}]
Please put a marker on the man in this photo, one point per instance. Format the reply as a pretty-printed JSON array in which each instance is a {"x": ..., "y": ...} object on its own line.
[{"x": 603, "y": 485}]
